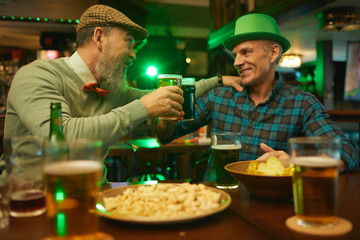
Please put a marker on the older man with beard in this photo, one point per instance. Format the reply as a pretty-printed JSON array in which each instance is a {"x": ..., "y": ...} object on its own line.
[{"x": 96, "y": 101}]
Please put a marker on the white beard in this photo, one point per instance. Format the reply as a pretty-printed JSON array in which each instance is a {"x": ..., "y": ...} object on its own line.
[{"x": 112, "y": 74}]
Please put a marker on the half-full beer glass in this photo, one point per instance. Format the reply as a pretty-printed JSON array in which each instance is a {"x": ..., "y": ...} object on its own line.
[
  {"x": 164, "y": 80},
  {"x": 315, "y": 162},
  {"x": 225, "y": 148},
  {"x": 72, "y": 171}
]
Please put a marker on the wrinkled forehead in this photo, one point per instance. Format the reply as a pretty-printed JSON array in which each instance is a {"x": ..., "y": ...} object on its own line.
[{"x": 250, "y": 44}]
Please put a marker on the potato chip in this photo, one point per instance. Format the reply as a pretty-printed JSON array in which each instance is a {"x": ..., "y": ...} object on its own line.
[{"x": 272, "y": 167}]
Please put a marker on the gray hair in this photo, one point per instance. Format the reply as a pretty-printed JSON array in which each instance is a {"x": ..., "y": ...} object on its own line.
[
  {"x": 280, "y": 50},
  {"x": 84, "y": 35}
]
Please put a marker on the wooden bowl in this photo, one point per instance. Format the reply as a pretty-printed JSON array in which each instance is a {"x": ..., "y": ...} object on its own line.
[{"x": 262, "y": 186}]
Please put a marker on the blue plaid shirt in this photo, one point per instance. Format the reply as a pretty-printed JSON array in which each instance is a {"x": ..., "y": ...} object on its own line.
[{"x": 288, "y": 112}]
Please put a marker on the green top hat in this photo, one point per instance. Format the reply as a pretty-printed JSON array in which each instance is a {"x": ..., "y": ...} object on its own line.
[{"x": 256, "y": 26}]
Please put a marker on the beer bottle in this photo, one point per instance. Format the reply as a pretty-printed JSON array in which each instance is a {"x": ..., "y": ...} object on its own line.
[{"x": 56, "y": 131}]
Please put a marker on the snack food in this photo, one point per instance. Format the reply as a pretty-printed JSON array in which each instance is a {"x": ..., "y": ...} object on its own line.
[
  {"x": 164, "y": 201},
  {"x": 272, "y": 167}
]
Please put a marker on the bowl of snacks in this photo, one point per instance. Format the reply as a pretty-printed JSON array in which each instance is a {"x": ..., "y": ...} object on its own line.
[{"x": 267, "y": 179}]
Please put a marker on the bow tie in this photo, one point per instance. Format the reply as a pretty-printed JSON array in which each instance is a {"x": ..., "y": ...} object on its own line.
[{"x": 94, "y": 87}]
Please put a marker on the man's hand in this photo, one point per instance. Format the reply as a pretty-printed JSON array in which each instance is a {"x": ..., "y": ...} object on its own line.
[
  {"x": 268, "y": 152},
  {"x": 233, "y": 81},
  {"x": 164, "y": 101}
]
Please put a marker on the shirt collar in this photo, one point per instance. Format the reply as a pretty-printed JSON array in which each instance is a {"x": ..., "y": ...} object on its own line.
[{"x": 80, "y": 68}]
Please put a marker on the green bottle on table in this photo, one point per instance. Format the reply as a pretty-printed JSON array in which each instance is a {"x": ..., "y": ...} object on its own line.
[{"x": 56, "y": 131}]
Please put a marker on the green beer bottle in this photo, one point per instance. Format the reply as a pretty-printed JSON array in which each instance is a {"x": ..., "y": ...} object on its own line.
[{"x": 56, "y": 131}]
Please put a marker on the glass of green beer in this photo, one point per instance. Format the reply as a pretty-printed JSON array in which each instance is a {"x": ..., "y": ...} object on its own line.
[
  {"x": 225, "y": 148},
  {"x": 315, "y": 163},
  {"x": 164, "y": 80}
]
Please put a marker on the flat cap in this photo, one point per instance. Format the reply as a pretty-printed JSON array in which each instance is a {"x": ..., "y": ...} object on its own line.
[{"x": 102, "y": 15}]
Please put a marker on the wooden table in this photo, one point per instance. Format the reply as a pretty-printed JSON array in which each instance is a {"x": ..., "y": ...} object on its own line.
[
  {"x": 149, "y": 149},
  {"x": 246, "y": 218}
]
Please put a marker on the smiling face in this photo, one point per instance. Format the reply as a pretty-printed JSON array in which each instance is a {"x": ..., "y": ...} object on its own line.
[
  {"x": 117, "y": 55},
  {"x": 255, "y": 61}
]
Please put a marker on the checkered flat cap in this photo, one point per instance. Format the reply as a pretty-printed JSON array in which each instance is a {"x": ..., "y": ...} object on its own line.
[{"x": 102, "y": 15}]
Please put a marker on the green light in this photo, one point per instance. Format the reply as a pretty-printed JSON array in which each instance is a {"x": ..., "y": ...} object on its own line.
[
  {"x": 61, "y": 20},
  {"x": 54, "y": 19},
  {"x": 151, "y": 71},
  {"x": 59, "y": 196},
  {"x": 30, "y": 18},
  {"x": 100, "y": 207},
  {"x": 45, "y": 19},
  {"x": 21, "y": 18},
  {"x": 61, "y": 224},
  {"x": 4, "y": 17},
  {"x": 12, "y": 17},
  {"x": 69, "y": 21},
  {"x": 77, "y": 21},
  {"x": 38, "y": 19},
  {"x": 160, "y": 177}
]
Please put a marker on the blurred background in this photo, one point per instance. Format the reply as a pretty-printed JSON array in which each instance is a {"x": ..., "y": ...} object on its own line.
[{"x": 186, "y": 38}]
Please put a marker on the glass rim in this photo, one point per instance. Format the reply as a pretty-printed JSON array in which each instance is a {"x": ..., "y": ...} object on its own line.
[
  {"x": 161, "y": 76},
  {"x": 313, "y": 139},
  {"x": 226, "y": 133},
  {"x": 188, "y": 81}
]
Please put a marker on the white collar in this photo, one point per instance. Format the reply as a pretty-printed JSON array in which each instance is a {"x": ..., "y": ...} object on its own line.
[{"x": 80, "y": 68}]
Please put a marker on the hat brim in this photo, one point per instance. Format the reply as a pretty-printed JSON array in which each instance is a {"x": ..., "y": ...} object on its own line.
[{"x": 232, "y": 41}]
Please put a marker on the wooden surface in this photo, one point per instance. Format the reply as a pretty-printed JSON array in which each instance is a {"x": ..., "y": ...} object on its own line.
[
  {"x": 246, "y": 218},
  {"x": 130, "y": 147}
]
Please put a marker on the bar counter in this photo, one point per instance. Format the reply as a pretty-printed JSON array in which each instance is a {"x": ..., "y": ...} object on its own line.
[{"x": 246, "y": 218}]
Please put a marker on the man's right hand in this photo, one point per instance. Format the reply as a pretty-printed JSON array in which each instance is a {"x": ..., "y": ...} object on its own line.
[{"x": 164, "y": 101}]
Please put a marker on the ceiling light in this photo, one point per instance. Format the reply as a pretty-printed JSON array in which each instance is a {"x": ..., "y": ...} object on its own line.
[
  {"x": 290, "y": 61},
  {"x": 339, "y": 19}
]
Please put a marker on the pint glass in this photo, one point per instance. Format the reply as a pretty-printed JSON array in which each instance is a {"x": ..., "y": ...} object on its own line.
[
  {"x": 24, "y": 157},
  {"x": 164, "y": 80},
  {"x": 72, "y": 172},
  {"x": 315, "y": 162},
  {"x": 225, "y": 148},
  {"x": 188, "y": 87}
]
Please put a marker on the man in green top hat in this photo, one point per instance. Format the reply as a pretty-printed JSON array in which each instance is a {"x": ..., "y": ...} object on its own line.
[{"x": 268, "y": 111}]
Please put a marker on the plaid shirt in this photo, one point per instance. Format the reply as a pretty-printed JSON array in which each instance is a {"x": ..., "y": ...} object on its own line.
[{"x": 288, "y": 112}]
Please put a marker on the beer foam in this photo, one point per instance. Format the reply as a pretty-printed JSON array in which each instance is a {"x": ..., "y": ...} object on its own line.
[
  {"x": 226, "y": 147},
  {"x": 72, "y": 167},
  {"x": 315, "y": 161}
]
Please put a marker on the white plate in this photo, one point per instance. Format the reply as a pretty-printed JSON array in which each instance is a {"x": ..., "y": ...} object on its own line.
[{"x": 225, "y": 201}]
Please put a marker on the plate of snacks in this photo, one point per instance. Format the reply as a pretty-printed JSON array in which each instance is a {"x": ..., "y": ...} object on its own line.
[
  {"x": 161, "y": 203},
  {"x": 267, "y": 179}
]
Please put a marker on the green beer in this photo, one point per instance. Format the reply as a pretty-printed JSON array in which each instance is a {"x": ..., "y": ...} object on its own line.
[
  {"x": 222, "y": 155},
  {"x": 188, "y": 87},
  {"x": 164, "y": 80}
]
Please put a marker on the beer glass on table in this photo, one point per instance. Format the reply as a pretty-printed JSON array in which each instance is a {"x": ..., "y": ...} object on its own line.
[
  {"x": 315, "y": 162},
  {"x": 225, "y": 148},
  {"x": 164, "y": 80},
  {"x": 24, "y": 158},
  {"x": 72, "y": 172}
]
